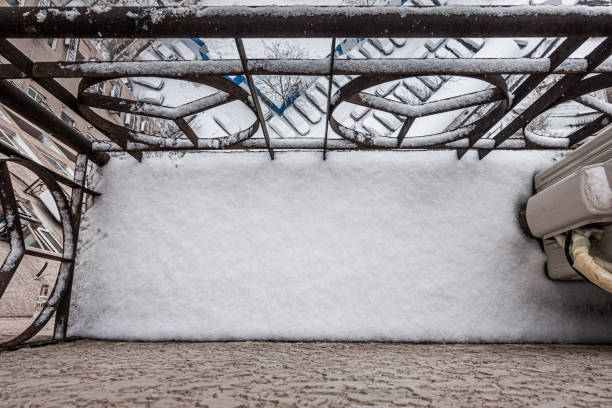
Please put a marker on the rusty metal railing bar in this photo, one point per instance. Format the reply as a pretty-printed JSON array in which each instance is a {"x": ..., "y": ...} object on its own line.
[
  {"x": 594, "y": 58},
  {"x": 305, "y": 21},
  {"x": 32, "y": 111},
  {"x": 13, "y": 228},
  {"x": 76, "y": 206},
  {"x": 309, "y": 67},
  {"x": 556, "y": 58},
  {"x": 330, "y": 85},
  {"x": 255, "y": 98},
  {"x": 29, "y": 109}
]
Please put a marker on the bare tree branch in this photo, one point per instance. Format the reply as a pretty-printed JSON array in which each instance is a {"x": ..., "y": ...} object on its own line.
[{"x": 279, "y": 88}]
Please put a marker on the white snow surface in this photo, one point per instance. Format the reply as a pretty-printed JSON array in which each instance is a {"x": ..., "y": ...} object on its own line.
[
  {"x": 399, "y": 246},
  {"x": 597, "y": 188}
]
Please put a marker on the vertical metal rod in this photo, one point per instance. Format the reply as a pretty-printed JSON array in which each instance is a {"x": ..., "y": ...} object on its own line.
[
  {"x": 187, "y": 130},
  {"x": 560, "y": 54},
  {"x": 249, "y": 78},
  {"x": 404, "y": 130},
  {"x": 590, "y": 129},
  {"x": 329, "y": 90},
  {"x": 530, "y": 82},
  {"x": 548, "y": 98},
  {"x": 13, "y": 228},
  {"x": 76, "y": 206}
]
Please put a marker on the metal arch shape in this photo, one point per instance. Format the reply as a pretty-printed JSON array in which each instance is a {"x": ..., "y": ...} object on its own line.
[
  {"x": 471, "y": 131},
  {"x": 229, "y": 91},
  {"x": 61, "y": 283},
  {"x": 13, "y": 229},
  {"x": 583, "y": 87}
]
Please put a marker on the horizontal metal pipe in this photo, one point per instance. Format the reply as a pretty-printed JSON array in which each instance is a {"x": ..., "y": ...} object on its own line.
[
  {"x": 102, "y": 69},
  {"x": 399, "y": 66},
  {"x": 429, "y": 108},
  {"x": 20, "y": 103},
  {"x": 304, "y": 21},
  {"x": 46, "y": 255},
  {"x": 9, "y": 71},
  {"x": 260, "y": 144},
  {"x": 596, "y": 103},
  {"x": 147, "y": 109}
]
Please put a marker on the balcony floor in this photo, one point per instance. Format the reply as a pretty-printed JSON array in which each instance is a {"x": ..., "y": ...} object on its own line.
[{"x": 94, "y": 373}]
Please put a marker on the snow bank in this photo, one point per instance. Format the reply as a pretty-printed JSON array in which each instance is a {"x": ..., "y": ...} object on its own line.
[{"x": 410, "y": 246}]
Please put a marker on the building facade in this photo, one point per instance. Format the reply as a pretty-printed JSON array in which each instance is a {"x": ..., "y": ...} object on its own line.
[{"x": 35, "y": 277}]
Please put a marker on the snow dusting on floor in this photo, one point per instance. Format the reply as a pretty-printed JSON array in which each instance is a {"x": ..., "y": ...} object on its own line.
[{"x": 402, "y": 246}]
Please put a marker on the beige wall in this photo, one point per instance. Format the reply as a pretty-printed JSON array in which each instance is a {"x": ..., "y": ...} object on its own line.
[{"x": 22, "y": 293}]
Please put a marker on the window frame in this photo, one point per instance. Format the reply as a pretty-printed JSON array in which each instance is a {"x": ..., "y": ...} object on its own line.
[
  {"x": 4, "y": 117},
  {"x": 50, "y": 239},
  {"x": 10, "y": 136},
  {"x": 70, "y": 122},
  {"x": 37, "y": 96},
  {"x": 60, "y": 167}
]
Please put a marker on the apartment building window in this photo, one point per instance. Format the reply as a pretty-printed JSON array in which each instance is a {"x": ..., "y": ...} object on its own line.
[
  {"x": 4, "y": 117},
  {"x": 116, "y": 93},
  {"x": 30, "y": 240},
  {"x": 115, "y": 90},
  {"x": 40, "y": 238},
  {"x": 44, "y": 139},
  {"x": 40, "y": 98},
  {"x": 73, "y": 49},
  {"x": 8, "y": 137},
  {"x": 43, "y": 297},
  {"x": 15, "y": 84},
  {"x": 145, "y": 126},
  {"x": 24, "y": 213},
  {"x": 59, "y": 166},
  {"x": 68, "y": 120},
  {"x": 35, "y": 234},
  {"x": 131, "y": 121},
  {"x": 34, "y": 94},
  {"x": 49, "y": 239}
]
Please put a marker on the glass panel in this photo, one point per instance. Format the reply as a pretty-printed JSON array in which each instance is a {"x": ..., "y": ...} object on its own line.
[
  {"x": 4, "y": 117},
  {"x": 51, "y": 239},
  {"x": 58, "y": 166},
  {"x": 30, "y": 240},
  {"x": 7, "y": 138},
  {"x": 42, "y": 242},
  {"x": 67, "y": 119}
]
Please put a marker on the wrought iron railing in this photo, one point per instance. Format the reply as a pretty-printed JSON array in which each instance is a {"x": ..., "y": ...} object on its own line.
[{"x": 577, "y": 77}]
